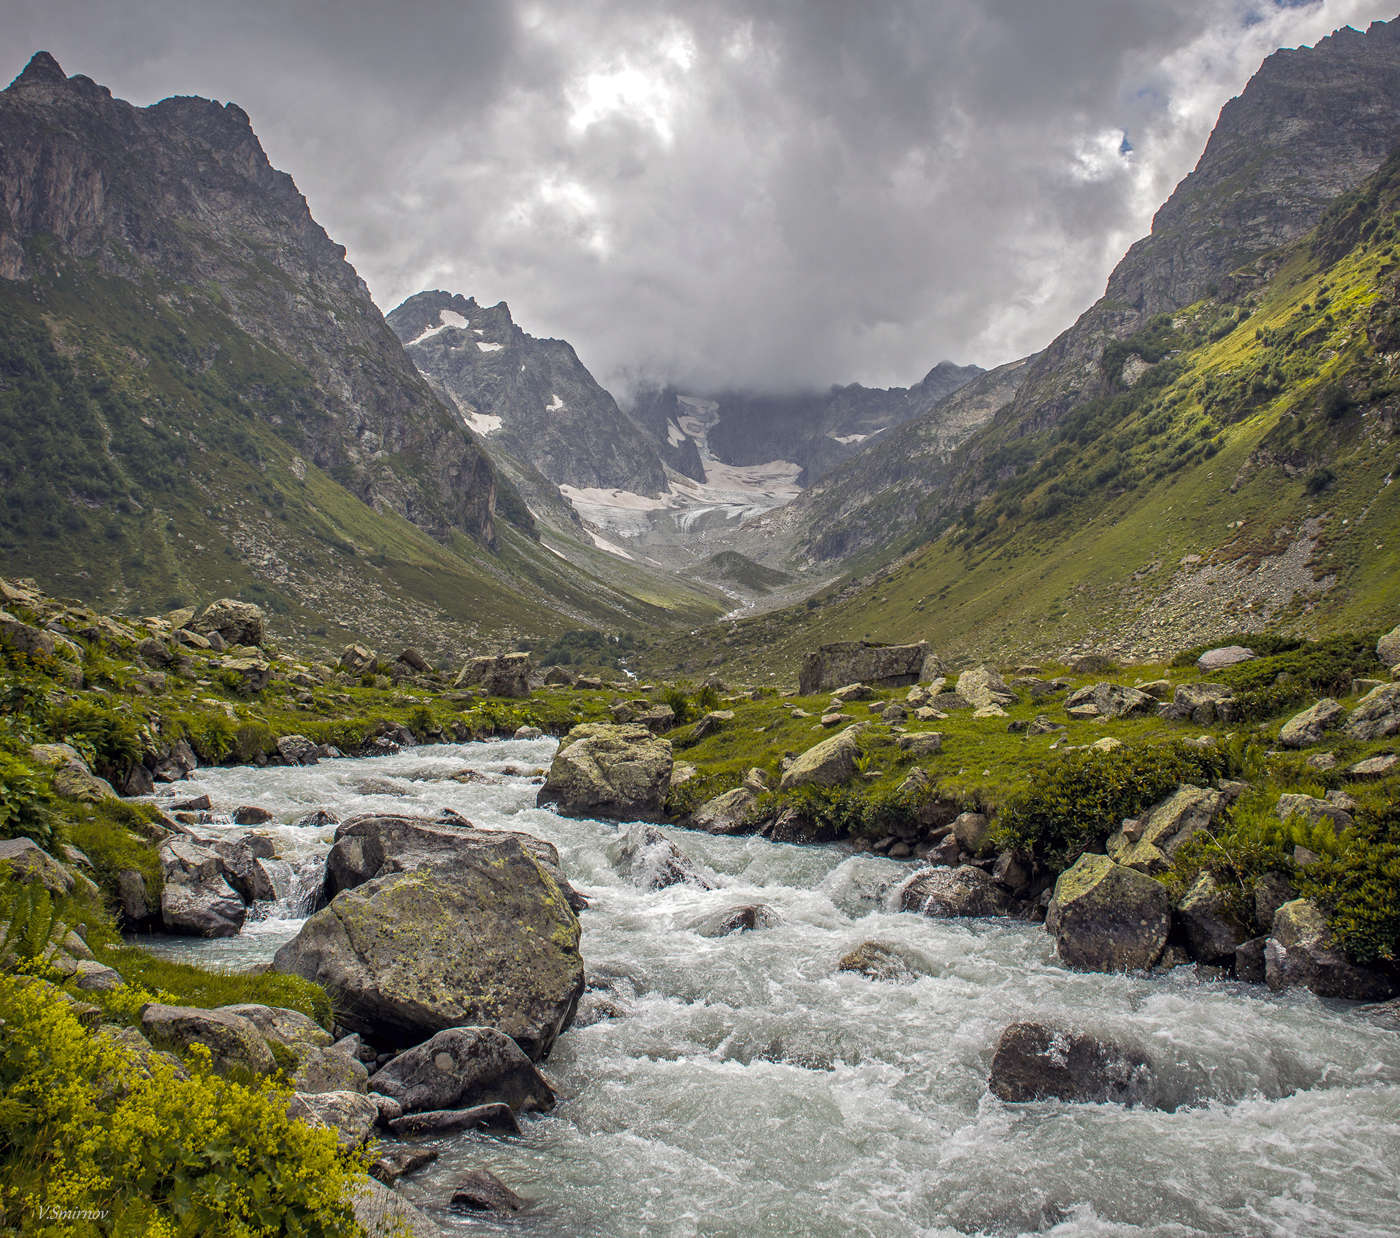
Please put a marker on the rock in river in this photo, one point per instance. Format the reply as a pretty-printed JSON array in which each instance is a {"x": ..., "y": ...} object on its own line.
[
  {"x": 1036, "y": 1062},
  {"x": 620, "y": 773},
  {"x": 1108, "y": 918}
]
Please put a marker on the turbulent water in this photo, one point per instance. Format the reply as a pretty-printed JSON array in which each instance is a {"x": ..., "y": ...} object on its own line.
[{"x": 747, "y": 1087}]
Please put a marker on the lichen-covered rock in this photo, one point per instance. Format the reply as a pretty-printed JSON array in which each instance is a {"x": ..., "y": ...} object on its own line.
[
  {"x": 945, "y": 892},
  {"x": 248, "y": 675},
  {"x": 234, "y": 1042},
  {"x": 1313, "y": 810},
  {"x": 383, "y": 1214},
  {"x": 23, "y": 859},
  {"x": 983, "y": 686},
  {"x": 1307, "y": 728},
  {"x": 831, "y": 763},
  {"x": 1226, "y": 655},
  {"x": 1037, "y": 1062},
  {"x": 1388, "y": 647},
  {"x": 506, "y": 674},
  {"x": 730, "y": 813},
  {"x": 847, "y": 662},
  {"x": 237, "y": 623},
  {"x": 1149, "y": 842},
  {"x": 351, "y": 1115},
  {"x": 297, "y": 750},
  {"x": 1377, "y": 714},
  {"x": 618, "y": 773},
  {"x": 461, "y": 1067},
  {"x": 1201, "y": 703},
  {"x": 319, "y": 1064},
  {"x": 645, "y": 856},
  {"x": 1105, "y": 917},
  {"x": 1212, "y": 932},
  {"x": 393, "y": 955},
  {"x": 1108, "y": 700},
  {"x": 1301, "y": 952}
]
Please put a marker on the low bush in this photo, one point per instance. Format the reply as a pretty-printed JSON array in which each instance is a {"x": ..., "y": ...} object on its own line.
[{"x": 27, "y": 803}]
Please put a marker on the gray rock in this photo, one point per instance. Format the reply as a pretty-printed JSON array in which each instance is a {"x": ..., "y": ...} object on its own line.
[
  {"x": 1388, "y": 647},
  {"x": 25, "y": 638},
  {"x": 297, "y": 750},
  {"x": 877, "y": 961},
  {"x": 1301, "y": 952},
  {"x": 971, "y": 830},
  {"x": 505, "y": 675},
  {"x": 1314, "y": 810},
  {"x": 243, "y": 866},
  {"x": 1374, "y": 767},
  {"x": 399, "y": 968},
  {"x": 383, "y": 1214},
  {"x": 921, "y": 743},
  {"x": 1149, "y": 843},
  {"x": 398, "y": 1162},
  {"x": 1249, "y": 960},
  {"x": 357, "y": 659},
  {"x": 615, "y": 772},
  {"x": 462, "y": 1067},
  {"x": 1201, "y": 703},
  {"x": 730, "y": 813},
  {"x": 1377, "y": 714},
  {"x": 944, "y": 892},
  {"x": 1308, "y": 727},
  {"x": 645, "y": 856},
  {"x": 895, "y": 666},
  {"x": 658, "y": 719},
  {"x": 495, "y": 1117},
  {"x": 742, "y": 919},
  {"x": 237, "y": 623},
  {"x": 1038, "y": 1062},
  {"x": 196, "y": 899},
  {"x": 1212, "y": 933},
  {"x": 1226, "y": 655},
  {"x": 1271, "y": 891},
  {"x": 320, "y": 1065},
  {"x": 351, "y": 1115},
  {"x": 1109, "y": 700},
  {"x": 983, "y": 686},
  {"x": 234, "y": 1042},
  {"x": 830, "y": 763},
  {"x": 24, "y": 860},
  {"x": 1105, "y": 917},
  {"x": 482, "y": 1191}
]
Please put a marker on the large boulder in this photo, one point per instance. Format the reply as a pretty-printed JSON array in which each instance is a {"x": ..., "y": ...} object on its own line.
[
  {"x": 831, "y": 763},
  {"x": 1377, "y": 714},
  {"x": 1388, "y": 647},
  {"x": 1105, "y": 917},
  {"x": 1036, "y": 1062},
  {"x": 831, "y": 666},
  {"x": 645, "y": 856},
  {"x": 234, "y": 1042},
  {"x": 730, "y": 813},
  {"x": 1306, "y": 728},
  {"x": 506, "y": 674},
  {"x": 196, "y": 899},
  {"x": 24, "y": 638},
  {"x": 350, "y": 1114},
  {"x": 462, "y": 1067},
  {"x": 1201, "y": 703},
  {"x": 983, "y": 686},
  {"x": 1211, "y": 930},
  {"x": 373, "y": 845},
  {"x": 246, "y": 674},
  {"x": 237, "y": 623},
  {"x": 1302, "y": 952},
  {"x": 1226, "y": 655},
  {"x": 1149, "y": 842},
  {"x": 1313, "y": 810},
  {"x": 399, "y": 967},
  {"x": 1105, "y": 700},
  {"x": 619, "y": 773},
  {"x": 945, "y": 892},
  {"x": 245, "y": 868}
]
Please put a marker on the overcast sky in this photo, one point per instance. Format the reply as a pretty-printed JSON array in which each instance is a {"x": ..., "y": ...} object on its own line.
[{"x": 770, "y": 194}]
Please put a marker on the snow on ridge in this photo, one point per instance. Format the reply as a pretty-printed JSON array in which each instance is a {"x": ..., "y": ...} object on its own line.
[
  {"x": 488, "y": 347},
  {"x": 847, "y": 439},
  {"x": 484, "y": 423},
  {"x": 448, "y": 320}
]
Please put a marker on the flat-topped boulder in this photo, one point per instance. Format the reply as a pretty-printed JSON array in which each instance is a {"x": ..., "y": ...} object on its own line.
[
  {"x": 846, "y": 662},
  {"x": 619, "y": 773}
]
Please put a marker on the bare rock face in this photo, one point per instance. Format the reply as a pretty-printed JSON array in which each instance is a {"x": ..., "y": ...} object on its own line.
[
  {"x": 237, "y": 623},
  {"x": 1036, "y": 1062},
  {"x": 1105, "y": 917},
  {"x": 848, "y": 662}
]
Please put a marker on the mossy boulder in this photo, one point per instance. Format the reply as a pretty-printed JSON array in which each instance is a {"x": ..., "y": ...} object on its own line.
[
  {"x": 1105, "y": 917},
  {"x": 234, "y": 1043},
  {"x": 1301, "y": 952},
  {"x": 619, "y": 773},
  {"x": 405, "y": 955}
]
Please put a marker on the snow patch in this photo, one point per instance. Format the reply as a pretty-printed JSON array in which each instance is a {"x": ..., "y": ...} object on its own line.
[
  {"x": 846, "y": 439},
  {"x": 555, "y": 403},
  {"x": 448, "y": 320},
  {"x": 483, "y": 423},
  {"x": 611, "y": 547},
  {"x": 488, "y": 347}
]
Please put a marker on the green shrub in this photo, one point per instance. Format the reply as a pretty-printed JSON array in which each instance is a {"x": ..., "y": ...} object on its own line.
[
  {"x": 1075, "y": 803},
  {"x": 1271, "y": 683},
  {"x": 251, "y": 740},
  {"x": 87, "y": 1127},
  {"x": 27, "y": 803},
  {"x": 110, "y": 834},
  {"x": 211, "y": 735},
  {"x": 675, "y": 696},
  {"x": 1359, "y": 891},
  {"x": 106, "y": 735}
]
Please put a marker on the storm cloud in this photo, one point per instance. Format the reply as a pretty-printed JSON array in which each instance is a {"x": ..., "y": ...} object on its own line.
[{"x": 775, "y": 195}]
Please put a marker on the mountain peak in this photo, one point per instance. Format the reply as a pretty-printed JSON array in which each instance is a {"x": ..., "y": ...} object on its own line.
[{"x": 42, "y": 67}]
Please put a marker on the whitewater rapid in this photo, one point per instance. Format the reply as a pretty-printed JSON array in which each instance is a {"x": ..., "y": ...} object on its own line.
[{"x": 746, "y": 1087}]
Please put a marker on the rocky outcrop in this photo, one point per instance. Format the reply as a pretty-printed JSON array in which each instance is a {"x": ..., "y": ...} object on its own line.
[
  {"x": 1105, "y": 917},
  {"x": 1034, "y": 1061},
  {"x": 507, "y": 675},
  {"x": 1201, "y": 703},
  {"x": 1149, "y": 842},
  {"x": 1388, "y": 647},
  {"x": 831, "y": 763},
  {"x": 847, "y": 662},
  {"x": 1107, "y": 700},
  {"x": 945, "y": 892},
  {"x": 618, "y": 773},
  {"x": 22, "y": 859},
  {"x": 1308, "y": 727},
  {"x": 235, "y": 622},
  {"x": 392, "y": 954},
  {"x": 462, "y": 1067}
]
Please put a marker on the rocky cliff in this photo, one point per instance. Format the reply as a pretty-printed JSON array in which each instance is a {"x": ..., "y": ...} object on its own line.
[{"x": 179, "y": 200}]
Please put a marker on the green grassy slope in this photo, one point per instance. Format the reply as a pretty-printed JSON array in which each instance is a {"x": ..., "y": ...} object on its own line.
[{"x": 1237, "y": 475}]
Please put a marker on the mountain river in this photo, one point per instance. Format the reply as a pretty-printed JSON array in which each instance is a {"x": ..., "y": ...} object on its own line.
[{"x": 749, "y": 1088}]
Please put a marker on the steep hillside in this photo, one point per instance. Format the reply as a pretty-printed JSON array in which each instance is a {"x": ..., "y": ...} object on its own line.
[
  {"x": 198, "y": 395},
  {"x": 1235, "y": 474}
]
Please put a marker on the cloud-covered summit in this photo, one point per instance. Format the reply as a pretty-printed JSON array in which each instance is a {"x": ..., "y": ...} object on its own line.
[{"x": 756, "y": 194}]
